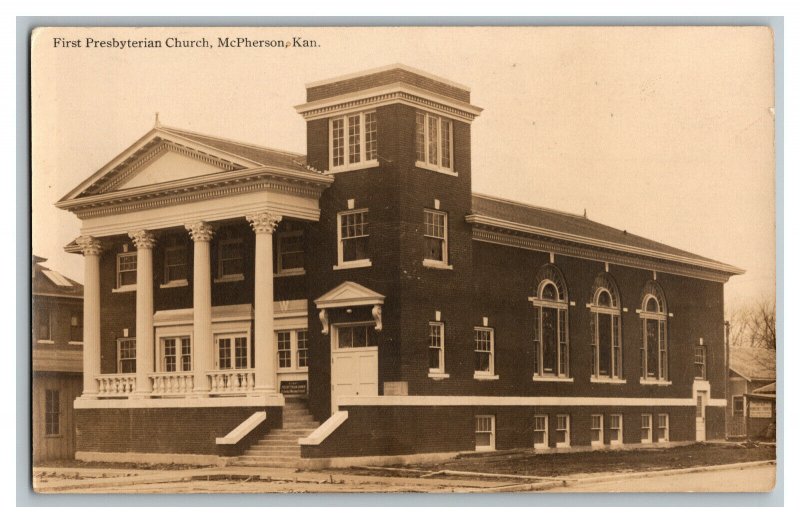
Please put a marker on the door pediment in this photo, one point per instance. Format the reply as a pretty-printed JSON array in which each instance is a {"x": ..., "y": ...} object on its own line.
[{"x": 349, "y": 294}]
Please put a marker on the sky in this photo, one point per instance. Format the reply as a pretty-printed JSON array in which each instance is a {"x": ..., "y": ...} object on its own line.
[{"x": 664, "y": 132}]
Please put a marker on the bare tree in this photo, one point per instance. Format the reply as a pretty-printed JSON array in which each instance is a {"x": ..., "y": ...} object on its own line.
[{"x": 753, "y": 327}]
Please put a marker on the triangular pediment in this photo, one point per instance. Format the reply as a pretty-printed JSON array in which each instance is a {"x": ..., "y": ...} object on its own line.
[
  {"x": 349, "y": 294},
  {"x": 170, "y": 163},
  {"x": 160, "y": 156}
]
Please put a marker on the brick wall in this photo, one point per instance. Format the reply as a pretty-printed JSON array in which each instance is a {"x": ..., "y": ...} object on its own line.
[
  {"x": 407, "y": 430},
  {"x": 162, "y": 430},
  {"x": 370, "y": 81}
]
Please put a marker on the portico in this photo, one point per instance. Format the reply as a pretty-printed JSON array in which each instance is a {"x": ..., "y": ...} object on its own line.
[{"x": 204, "y": 352}]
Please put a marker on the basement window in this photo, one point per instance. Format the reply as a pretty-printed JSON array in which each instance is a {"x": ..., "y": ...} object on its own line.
[{"x": 484, "y": 433}]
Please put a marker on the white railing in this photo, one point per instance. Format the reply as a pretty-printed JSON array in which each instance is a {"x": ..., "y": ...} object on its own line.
[
  {"x": 172, "y": 382},
  {"x": 232, "y": 381},
  {"x": 116, "y": 385}
]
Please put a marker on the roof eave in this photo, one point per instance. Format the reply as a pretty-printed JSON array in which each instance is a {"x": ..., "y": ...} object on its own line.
[{"x": 489, "y": 221}]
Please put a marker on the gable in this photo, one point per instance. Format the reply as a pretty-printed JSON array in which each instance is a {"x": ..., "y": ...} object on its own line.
[{"x": 169, "y": 163}]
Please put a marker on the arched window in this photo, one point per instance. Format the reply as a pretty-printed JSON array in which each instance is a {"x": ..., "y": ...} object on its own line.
[
  {"x": 550, "y": 337},
  {"x": 605, "y": 327},
  {"x": 654, "y": 333}
]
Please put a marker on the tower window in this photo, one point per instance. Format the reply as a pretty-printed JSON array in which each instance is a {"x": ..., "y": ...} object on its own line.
[
  {"x": 433, "y": 141},
  {"x": 353, "y": 141}
]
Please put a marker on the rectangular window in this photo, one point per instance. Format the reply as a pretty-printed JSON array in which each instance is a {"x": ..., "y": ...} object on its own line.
[
  {"x": 291, "y": 253},
  {"x": 176, "y": 354},
  {"x": 484, "y": 351},
  {"x": 44, "y": 325},
  {"x": 353, "y": 140},
  {"x": 540, "y": 439},
  {"x": 597, "y": 430},
  {"x": 562, "y": 430},
  {"x": 353, "y": 336},
  {"x": 284, "y": 349},
  {"x": 232, "y": 352},
  {"x": 436, "y": 347},
  {"x": 76, "y": 326},
  {"x": 302, "y": 349},
  {"x": 434, "y": 142},
  {"x": 126, "y": 269},
  {"x": 176, "y": 259},
  {"x": 484, "y": 433},
  {"x": 647, "y": 428},
  {"x": 615, "y": 429},
  {"x": 435, "y": 236},
  {"x": 738, "y": 406},
  {"x": 230, "y": 255},
  {"x": 353, "y": 236},
  {"x": 371, "y": 136},
  {"x": 337, "y": 142},
  {"x": 126, "y": 355},
  {"x": 700, "y": 362},
  {"x": 52, "y": 412},
  {"x": 663, "y": 427}
]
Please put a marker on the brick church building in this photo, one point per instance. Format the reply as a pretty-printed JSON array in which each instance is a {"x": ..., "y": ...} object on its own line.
[{"x": 249, "y": 304}]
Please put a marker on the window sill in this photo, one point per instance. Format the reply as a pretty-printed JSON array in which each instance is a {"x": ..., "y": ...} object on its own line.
[
  {"x": 435, "y": 168},
  {"x": 288, "y": 273},
  {"x": 609, "y": 381},
  {"x": 174, "y": 283},
  {"x": 125, "y": 288},
  {"x": 615, "y": 444},
  {"x": 45, "y": 342},
  {"x": 661, "y": 383},
  {"x": 353, "y": 167},
  {"x": 556, "y": 379},
  {"x": 229, "y": 278},
  {"x": 436, "y": 264},
  {"x": 80, "y": 343},
  {"x": 562, "y": 445},
  {"x": 598, "y": 445},
  {"x": 486, "y": 377},
  {"x": 438, "y": 375},
  {"x": 357, "y": 264}
]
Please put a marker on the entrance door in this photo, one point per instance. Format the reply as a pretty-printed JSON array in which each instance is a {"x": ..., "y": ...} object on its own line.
[
  {"x": 354, "y": 363},
  {"x": 700, "y": 417}
]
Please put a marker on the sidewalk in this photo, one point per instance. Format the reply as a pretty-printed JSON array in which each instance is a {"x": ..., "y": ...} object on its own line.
[{"x": 251, "y": 479}]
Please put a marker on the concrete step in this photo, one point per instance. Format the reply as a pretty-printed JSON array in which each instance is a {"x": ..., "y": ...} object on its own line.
[
  {"x": 299, "y": 418},
  {"x": 300, "y": 425},
  {"x": 276, "y": 446},
  {"x": 302, "y": 431},
  {"x": 273, "y": 453},
  {"x": 278, "y": 462},
  {"x": 277, "y": 439}
]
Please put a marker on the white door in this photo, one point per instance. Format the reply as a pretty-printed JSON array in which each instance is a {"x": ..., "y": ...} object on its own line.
[
  {"x": 354, "y": 364},
  {"x": 700, "y": 417}
]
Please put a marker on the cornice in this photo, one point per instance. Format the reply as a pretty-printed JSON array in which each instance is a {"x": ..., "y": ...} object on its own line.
[
  {"x": 577, "y": 251},
  {"x": 393, "y": 93},
  {"x": 490, "y": 223},
  {"x": 197, "y": 189}
]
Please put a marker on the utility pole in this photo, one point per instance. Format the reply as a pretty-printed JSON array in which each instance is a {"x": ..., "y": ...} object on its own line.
[{"x": 727, "y": 372}]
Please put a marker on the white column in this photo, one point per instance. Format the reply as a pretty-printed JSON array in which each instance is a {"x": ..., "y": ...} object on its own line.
[
  {"x": 144, "y": 242},
  {"x": 91, "y": 312},
  {"x": 201, "y": 233},
  {"x": 264, "y": 224}
]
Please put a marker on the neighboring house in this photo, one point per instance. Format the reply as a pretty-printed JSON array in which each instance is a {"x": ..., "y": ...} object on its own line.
[
  {"x": 746, "y": 374},
  {"x": 761, "y": 413},
  {"x": 57, "y": 343},
  {"x": 224, "y": 281}
]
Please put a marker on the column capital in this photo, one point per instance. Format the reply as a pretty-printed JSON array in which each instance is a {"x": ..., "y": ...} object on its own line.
[
  {"x": 89, "y": 245},
  {"x": 200, "y": 231},
  {"x": 264, "y": 221},
  {"x": 142, "y": 239}
]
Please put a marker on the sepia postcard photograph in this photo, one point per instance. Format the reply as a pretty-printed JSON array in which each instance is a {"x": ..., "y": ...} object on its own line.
[{"x": 403, "y": 260}]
